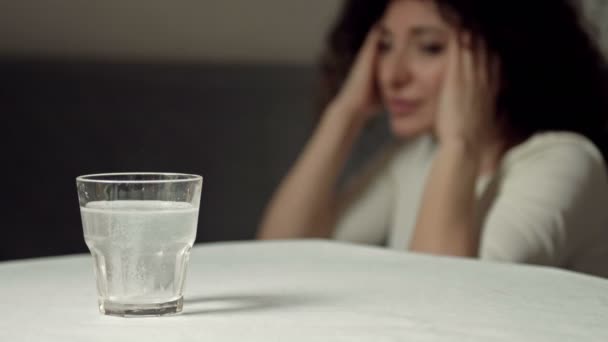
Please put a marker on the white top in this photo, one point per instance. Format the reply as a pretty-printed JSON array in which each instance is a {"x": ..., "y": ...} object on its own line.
[
  {"x": 546, "y": 205},
  {"x": 596, "y": 12},
  {"x": 314, "y": 291}
]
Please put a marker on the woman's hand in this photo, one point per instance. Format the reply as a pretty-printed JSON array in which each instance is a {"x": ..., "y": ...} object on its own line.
[
  {"x": 358, "y": 96},
  {"x": 467, "y": 101},
  {"x": 465, "y": 126}
]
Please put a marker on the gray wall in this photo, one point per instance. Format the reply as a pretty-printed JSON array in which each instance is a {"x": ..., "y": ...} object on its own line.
[{"x": 288, "y": 31}]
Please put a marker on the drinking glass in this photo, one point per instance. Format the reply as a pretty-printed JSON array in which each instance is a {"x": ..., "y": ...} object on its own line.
[{"x": 140, "y": 228}]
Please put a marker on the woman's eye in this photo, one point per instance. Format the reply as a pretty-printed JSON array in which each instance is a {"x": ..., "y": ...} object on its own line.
[
  {"x": 384, "y": 46},
  {"x": 432, "y": 48}
]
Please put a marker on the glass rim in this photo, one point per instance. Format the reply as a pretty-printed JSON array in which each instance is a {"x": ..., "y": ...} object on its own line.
[{"x": 90, "y": 178}]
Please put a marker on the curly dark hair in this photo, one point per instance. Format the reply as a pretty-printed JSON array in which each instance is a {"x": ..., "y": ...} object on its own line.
[{"x": 553, "y": 75}]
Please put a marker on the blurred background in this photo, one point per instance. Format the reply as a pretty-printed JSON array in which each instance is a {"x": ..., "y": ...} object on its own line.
[
  {"x": 220, "y": 88},
  {"x": 225, "y": 89}
]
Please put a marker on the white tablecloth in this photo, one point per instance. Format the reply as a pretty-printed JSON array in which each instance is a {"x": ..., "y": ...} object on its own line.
[{"x": 314, "y": 291}]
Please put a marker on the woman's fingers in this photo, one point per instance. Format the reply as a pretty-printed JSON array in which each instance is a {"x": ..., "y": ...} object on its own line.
[
  {"x": 366, "y": 56},
  {"x": 364, "y": 70},
  {"x": 488, "y": 77},
  {"x": 358, "y": 94},
  {"x": 452, "y": 71},
  {"x": 371, "y": 43},
  {"x": 482, "y": 76}
]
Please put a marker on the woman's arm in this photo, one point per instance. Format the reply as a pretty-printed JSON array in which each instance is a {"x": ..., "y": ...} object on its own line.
[
  {"x": 305, "y": 204},
  {"x": 447, "y": 222},
  {"x": 551, "y": 208}
]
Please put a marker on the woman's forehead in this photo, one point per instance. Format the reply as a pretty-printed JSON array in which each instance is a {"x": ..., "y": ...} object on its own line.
[{"x": 405, "y": 14}]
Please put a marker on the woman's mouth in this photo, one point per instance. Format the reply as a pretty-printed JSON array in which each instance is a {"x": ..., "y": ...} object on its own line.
[{"x": 399, "y": 106}]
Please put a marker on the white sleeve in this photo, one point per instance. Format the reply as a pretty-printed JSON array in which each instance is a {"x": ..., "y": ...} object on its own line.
[
  {"x": 547, "y": 202},
  {"x": 366, "y": 215}
]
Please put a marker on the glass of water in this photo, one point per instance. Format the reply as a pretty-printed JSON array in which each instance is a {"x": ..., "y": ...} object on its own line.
[{"x": 140, "y": 228}]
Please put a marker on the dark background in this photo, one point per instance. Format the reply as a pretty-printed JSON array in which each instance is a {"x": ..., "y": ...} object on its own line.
[{"x": 240, "y": 126}]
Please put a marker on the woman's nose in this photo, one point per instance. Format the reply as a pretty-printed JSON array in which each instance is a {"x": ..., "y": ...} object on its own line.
[{"x": 399, "y": 72}]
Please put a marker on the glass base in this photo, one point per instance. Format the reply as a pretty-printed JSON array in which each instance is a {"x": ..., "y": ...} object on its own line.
[{"x": 141, "y": 310}]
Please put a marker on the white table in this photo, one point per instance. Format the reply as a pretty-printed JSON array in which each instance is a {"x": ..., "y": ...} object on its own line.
[{"x": 314, "y": 291}]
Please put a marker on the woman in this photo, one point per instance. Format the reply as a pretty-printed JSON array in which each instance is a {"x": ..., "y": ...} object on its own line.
[{"x": 497, "y": 109}]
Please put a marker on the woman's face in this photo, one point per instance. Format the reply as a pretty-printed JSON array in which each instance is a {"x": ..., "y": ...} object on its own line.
[{"x": 410, "y": 67}]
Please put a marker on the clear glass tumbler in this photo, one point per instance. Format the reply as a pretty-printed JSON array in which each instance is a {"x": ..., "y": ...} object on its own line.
[{"x": 140, "y": 228}]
